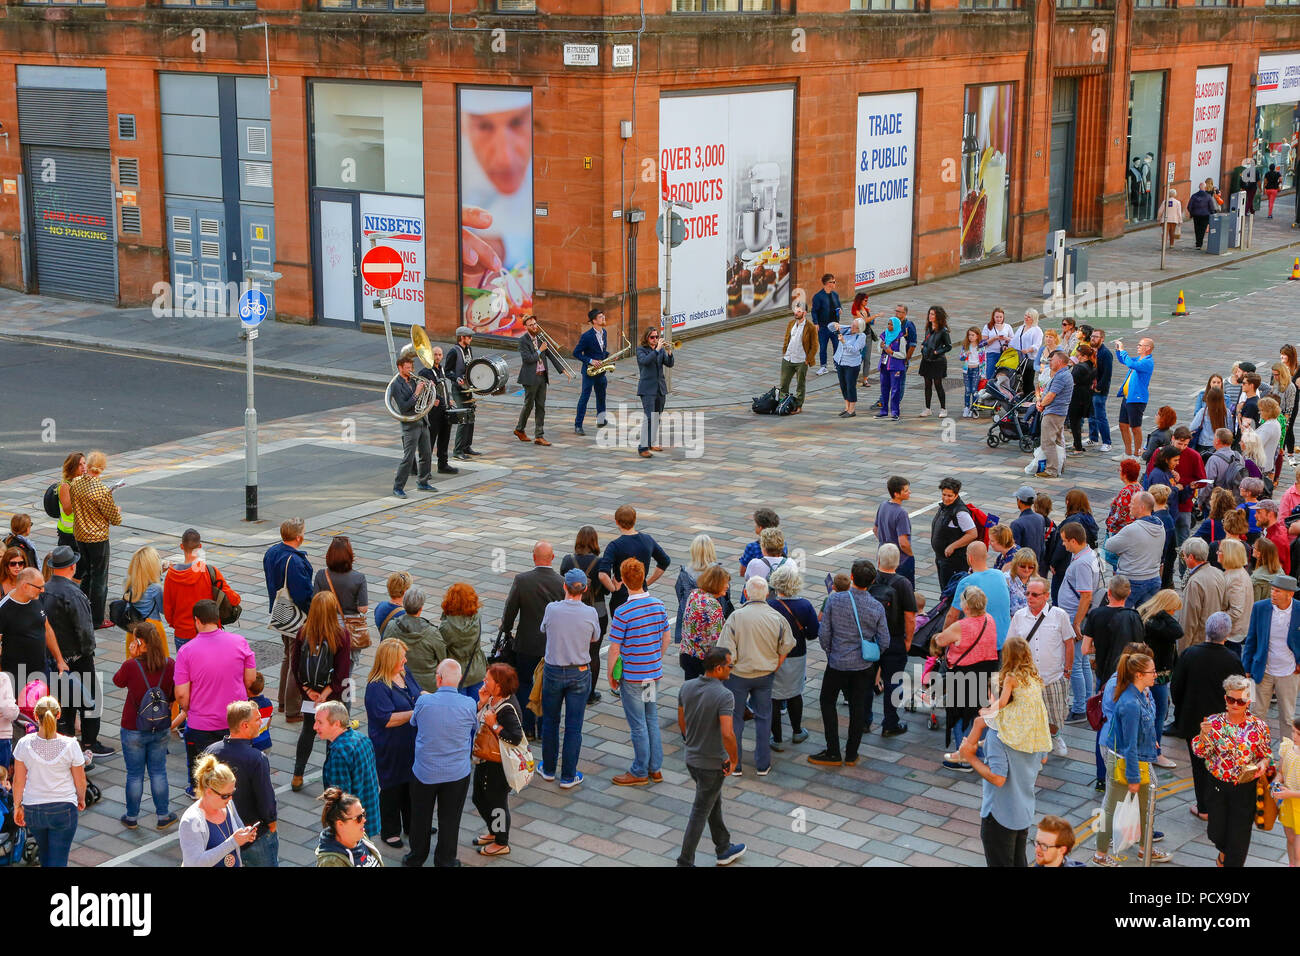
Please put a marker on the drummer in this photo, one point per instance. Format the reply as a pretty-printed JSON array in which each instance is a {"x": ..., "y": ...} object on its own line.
[
  {"x": 458, "y": 358},
  {"x": 439, "y": 423}
]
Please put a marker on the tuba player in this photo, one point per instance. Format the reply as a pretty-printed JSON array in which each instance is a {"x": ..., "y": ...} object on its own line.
[{"x": 415, "y": 435}]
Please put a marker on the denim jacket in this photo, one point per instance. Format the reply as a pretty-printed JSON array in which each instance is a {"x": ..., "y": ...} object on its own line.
[{"x": 1133, "y": 731}]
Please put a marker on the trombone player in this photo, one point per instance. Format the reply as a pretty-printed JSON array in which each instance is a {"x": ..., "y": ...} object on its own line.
[
  {"x": 406, "y": 389},
  {"x": 534, "y": 352},
  {"x": 439, "y": 425},
  {"x": 592, "y": 350},
  {"x": 653, "y": 355}
]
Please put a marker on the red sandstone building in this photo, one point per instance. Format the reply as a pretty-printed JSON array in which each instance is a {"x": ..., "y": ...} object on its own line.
[{"x": 507, "y": 149}]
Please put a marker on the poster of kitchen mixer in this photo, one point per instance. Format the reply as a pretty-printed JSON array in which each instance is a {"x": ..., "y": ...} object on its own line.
[
  {"x": 985, "y": 174},
  {"x": 729, "y": 154}
]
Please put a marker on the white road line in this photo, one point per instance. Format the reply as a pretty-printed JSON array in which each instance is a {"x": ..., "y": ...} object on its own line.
[{"x": 867, "y": 534}]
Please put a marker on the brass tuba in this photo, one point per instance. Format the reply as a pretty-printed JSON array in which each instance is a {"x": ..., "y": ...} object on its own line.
[{"x": 423, "y": 348}]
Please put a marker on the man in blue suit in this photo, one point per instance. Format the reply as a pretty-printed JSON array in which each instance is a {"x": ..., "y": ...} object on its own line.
[
  {"x": 592, "y": 349},
  {"x": 825, "y": 310},
  {"x": 1272, "y": 651}
]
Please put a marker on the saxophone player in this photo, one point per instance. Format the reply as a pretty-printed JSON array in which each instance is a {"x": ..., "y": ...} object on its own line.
[
  {"x": 439, "y": 424},
  {"x": 592, "y": 349},
  {"x": 415, "y": 435}
]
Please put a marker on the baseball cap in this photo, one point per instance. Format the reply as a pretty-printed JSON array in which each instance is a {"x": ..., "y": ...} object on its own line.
[
  {"x": 575, "y": 576},
  {"x": 1026, "y": 494}
]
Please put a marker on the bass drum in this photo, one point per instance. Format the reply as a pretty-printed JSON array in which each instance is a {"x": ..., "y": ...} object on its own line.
[
  {"x": 458, "y": 415},
  {"x": 487, "y": 375}
]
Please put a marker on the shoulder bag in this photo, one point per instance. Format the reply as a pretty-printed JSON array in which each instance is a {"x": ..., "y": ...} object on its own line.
[
  {"x": 227, "y": 613},
  {"x": 355, "y": 623},
  {"x": 517, "y": 761},
  {"x": 286, "y": 617},
  {"x": 870, "y": 649}
]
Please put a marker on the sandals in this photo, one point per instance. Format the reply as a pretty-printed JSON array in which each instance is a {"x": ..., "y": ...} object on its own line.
[
  {"x": 494, "y": 849},
  {"x": 485, "y": 839},
  {"x": 1199, "y": 816}
]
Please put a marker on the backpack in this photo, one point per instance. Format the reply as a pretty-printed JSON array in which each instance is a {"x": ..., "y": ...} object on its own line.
[
  {"x": 154, "y": 712},
  {"x": 1231, "y": 477},
  {"x": 765, "y": 404},
  {"x": 311, "y": 665},
  {"x": 227, "y": 613},
  {"x": 983, "y": 521},
  {"x": 788, "y": 405},
  {"x": 52, "y": 501},
  {"x": 885, "y": 594}
]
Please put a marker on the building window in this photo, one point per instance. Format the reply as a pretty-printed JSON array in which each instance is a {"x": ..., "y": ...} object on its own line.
[
  {"x": 883, "y": 5},
  {"x": 988, "y": 4},
  {"x": 1077, "y": 4},
  {"x": 1213, "y": 3},
  {"x": 368, "y": 137},
  {"x": 1160, "y": 3},
  {"x": 396, "y": 6},
  {"x": 725, "y": 6},
  {"x": 65, "y": 3},
  {"x": 522, "y": 6},
  {"x": 225, "y": 4}
]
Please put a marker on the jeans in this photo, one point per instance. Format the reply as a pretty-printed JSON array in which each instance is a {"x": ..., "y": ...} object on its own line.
[
  {"x": 52, "y": 826},
  {"x": 858, "y": 684},
  {"x": 652, "y": 407},
  {"x": 1160, "y": 695},
  {"x": 893, "y": 666},
  {"x": 94, "y": 577},
  {"x": 1142, "y": 591},
  {"x": 848, "y": 382},
  {"x": 1099, "y": 424},
  {"x": 449, "y": 798},
  {"x": 824, "y": 337},
  {"x": 799, "y": 372},
  {"x": 971, "y": 379},
  {"x": 197, "y": 741},
  {"x": 264, "y": 852},
  {"x": 568, "y": 687},
  {"x": 707, "y": 807},
  {"x": 395, "y": 810},
  {"x": 492, "y": 800},
  {"x": 143, "y": 751},
  {"x": 642, "y": 713},
  {"x": 891, "y": 391},
  {"x": 80, "y": 692},
  {"x": 590, "y": 384},
  {"x": 757, "y": 692},
  {"x": 416, "y": 444},
  {"x": 534, "y": 404},
  {"x": 1232, "y": 817},
  {"x": 990, "y": 362},
  {"x": 525, "y": 667},
  {"x": 1083, "y": 682},
  {"x": 1003, "y": 847}
]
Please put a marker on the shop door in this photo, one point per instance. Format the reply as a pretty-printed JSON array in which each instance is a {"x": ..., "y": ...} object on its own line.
[
  {"x": 1060, "y": 183},
  {"x": 72, "y": 222},
  {"x": 338, "y": 259}
]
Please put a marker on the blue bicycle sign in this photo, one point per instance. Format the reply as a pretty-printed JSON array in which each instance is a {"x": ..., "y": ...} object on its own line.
[{"x": 253, "y": 308}]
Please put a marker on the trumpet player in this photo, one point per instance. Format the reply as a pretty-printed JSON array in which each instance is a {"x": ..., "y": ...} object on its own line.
[
  {"x": 592, "y": 349},
  {"x": 439, "y": 424},
  {"x": 653, "y": 355},
  {"x": 415, "y": 435},
  {"x": 534, "y": 353}
]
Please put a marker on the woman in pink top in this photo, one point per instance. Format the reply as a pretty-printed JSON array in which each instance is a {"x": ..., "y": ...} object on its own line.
[
  {"x": 1291, "y": 497},
  {"x": 972, "y": 649}
]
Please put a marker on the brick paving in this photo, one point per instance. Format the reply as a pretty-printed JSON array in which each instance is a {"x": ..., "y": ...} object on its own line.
[{"x": 824, "y": 475}]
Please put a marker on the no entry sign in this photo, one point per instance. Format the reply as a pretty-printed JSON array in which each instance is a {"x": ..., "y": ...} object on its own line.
[{"x": 382, "y": 267}]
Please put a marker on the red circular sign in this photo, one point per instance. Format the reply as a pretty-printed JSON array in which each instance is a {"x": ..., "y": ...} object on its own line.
[{"x": 382, "y": 267}]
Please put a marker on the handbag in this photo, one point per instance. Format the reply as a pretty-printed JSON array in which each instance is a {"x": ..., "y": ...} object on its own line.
[
  {"x": 517, "y": 761},
  {"x": 1144, "y": 772},
  {"x": 1265, "y": 803},
  {"x": 123, "y": 613},
  {"x": 487, "y": 746},
  {"x": 1093, "y": 709},
  {"x": 227, "y": 613},
  {"x": 870, "y": 649},
  {"x": 355, "y": 623},
  {"x": 286, "y": 617}
]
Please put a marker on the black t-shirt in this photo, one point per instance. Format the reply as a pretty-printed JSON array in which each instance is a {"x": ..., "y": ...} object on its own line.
[
  {"x": 904, "y": 602},
  {"x": 22, "y": 638},
  {"x": 1112, "y": 629}
]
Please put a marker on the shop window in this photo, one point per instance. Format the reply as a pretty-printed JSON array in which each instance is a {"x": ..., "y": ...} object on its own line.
[
  {"x": 368, "y": 137},
  {"x": 1144, "y": 176},
  {"x": 988, "y": 4},
  {"x": 884, "y": 4},
  {"x": 516, "y": 6},
  {"x": 726, "y": 6},
  {"x": 394, "y": 6},
  {"x": 1276, "y": 127}
]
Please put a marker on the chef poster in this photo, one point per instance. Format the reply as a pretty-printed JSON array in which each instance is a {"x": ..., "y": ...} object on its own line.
[
  {"x": 729, "y": 155},
  {"x": 496, "y": 208},
  {"x": 985, "y": 171},
  {"x": 883, "y": 188}
]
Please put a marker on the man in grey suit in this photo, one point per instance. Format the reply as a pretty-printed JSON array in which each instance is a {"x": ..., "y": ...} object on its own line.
[
  {"x": 533, "y": 376},
  {"x": 530, "y": 592},
  {"x": 652, "y": 356}
]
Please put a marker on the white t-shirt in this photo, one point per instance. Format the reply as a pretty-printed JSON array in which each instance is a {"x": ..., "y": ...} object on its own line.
[
  {"x": 49, "y": 766},
  {"x": 794, "y": 352},
  {"x": 988, "y": 335},
  {"x": 1048, "y": 645},
  {"x": 1281, "y": 662},
  {"x": 1027, "y": 339}
]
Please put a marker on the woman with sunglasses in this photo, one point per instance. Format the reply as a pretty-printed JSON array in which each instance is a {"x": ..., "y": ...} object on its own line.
[
  {"x": 1236, "y": 749},
  {"x": 343, "y": 840},
  {"x": 211, "y": 832},
  {"x": 11, "y": 565}
]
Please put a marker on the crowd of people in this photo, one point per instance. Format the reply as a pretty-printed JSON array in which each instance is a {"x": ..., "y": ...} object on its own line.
[{"x": 1170, "y": 614}]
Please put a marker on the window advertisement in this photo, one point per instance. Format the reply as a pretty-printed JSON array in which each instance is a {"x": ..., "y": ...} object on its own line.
[
  {"x": 398, "y": 222},
  {"x": 884, "y": 188},
  {"x": 1207, "y": 124},
  {"x": 1145, "y": 181},
  {"x": 985, "y": 171},
  {"x": 730, "y": 155},
  {"x": 496, "y": 208},
  {"x": 368, "y": 137}
]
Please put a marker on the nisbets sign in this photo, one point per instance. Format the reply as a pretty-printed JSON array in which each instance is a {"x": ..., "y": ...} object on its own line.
[
  {"x": 1277, "y": 80},
  {"x": 1268, "y": 81},
  {"x": 397, "y": 228}
]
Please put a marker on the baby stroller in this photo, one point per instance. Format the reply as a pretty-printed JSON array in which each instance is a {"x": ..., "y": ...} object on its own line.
[
  {"x": 1007, "y": 384},
  {"x": 15, "y": 846},
  {"x": 1018, "y": 423},
  {"x": 930, "y": 693}
]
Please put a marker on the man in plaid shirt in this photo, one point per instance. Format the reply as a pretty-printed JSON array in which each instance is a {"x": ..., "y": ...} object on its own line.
[{"x": 349, "y": 761}]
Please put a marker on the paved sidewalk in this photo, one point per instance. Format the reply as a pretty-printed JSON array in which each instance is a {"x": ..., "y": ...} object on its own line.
[{"x": 714, "y": 369}]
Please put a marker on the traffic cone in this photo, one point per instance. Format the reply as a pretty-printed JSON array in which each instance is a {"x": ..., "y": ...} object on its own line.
[
  {"x": 1295, "y": 268},
  {"x": 1181, "y": 307}
]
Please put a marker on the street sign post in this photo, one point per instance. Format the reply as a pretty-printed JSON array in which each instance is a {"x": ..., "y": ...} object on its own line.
[
  {"x": 382, "y": 267},
  {"x": 253, "y": 309}
]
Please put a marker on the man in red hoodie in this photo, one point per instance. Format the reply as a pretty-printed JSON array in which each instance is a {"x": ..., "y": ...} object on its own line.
[{"x": 191, "y": 580}]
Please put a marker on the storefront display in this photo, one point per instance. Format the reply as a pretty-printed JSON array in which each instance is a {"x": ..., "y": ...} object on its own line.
[
  {"x": 1144, "y": 178},
  {"x": 1277, "y": 117},
  {"x": 729, "y": 154},
  {"x": 884, "y": 188},
  {"x": 985, "y": 171}
]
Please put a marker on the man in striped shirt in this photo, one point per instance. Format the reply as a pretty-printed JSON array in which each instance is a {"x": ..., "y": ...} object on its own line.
[{"x": 638, "y": 637}]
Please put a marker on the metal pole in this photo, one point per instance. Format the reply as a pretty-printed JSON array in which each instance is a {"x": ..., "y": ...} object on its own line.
[
  {"x": 1250, "y": 229},
  {"x": 666, "y": 323},
  {"x": 1151, "y": 817},
  {"x": 388, "y": 329},
  {"x": 1164, "y": 236},
  {"x": 250, "y": 441}
]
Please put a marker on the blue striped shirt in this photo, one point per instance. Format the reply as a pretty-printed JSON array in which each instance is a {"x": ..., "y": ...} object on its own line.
[{"x": 638, "y": 628}]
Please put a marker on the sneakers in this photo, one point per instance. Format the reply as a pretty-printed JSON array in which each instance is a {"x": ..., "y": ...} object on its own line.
[
  {"x": 1157, "y": 856},
  {"x": 826, "y": 759},
  {"x": 823, "y": 370},
  {"x": 736, "y": 772},
  {"x": 1103, "y": 448},
  {"x": 925, "y": 413},
  {"x": 731, "y": 854},
  {"x": 98, "y": 749},
  {"x": 548, "y": 777},
  {"x": 1157, "y": 836},
  {"x": 1076, "y": 717},
  {"x": 943, "y": 413},
  {"x": 765, "y": 771},
  {"x": 953, "y": 761},
  {"x": 1059, "y": 748},
  {"x": 799, "y": 736},
  {"x": 570, "y": 784},
  {"x": 1087, "y": 441},
  {"x": 1104, "y": 859},
  {"x": 966, "y": 413},
  {"x": 882, "y": 414},
  {"x": 894, "y": 731},
  {"x": 777, "y": 745},
  {"x": 399, "y": 493}
]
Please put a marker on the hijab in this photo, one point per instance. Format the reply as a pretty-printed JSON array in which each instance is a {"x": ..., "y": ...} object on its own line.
[{"x": 893, "y": 332}]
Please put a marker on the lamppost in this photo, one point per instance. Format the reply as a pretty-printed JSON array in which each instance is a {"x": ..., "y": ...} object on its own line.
[{"x": 254, "y": 308}]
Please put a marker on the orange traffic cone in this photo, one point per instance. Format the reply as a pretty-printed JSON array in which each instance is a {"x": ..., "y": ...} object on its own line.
[
  {"x": 1295, "y": 268},
  {"x": 1181, "y": 307}
]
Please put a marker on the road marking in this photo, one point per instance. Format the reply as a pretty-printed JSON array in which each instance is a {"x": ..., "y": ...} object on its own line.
[{"x": 867, "y": 534}]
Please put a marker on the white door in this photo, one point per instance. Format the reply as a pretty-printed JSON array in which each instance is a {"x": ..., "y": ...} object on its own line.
[{"x": 337, "y": 262}]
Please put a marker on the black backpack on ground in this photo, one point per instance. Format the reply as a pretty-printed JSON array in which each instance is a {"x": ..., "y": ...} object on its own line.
[
  {"x": 788, "y": 405},
  {"x": 764, "y": 404}
]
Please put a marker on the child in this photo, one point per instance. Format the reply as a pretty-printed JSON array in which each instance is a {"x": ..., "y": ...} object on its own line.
[
  {"x": 265, "y": 709},
  {"x": 972, "y": 362},
  {"x": 20, "y": 526},
  {"x": 1019, "y": 715},
  {"x": 1286, "y": 788},
  {"x": 1043, "y": 506},
  {"x": 763, "y": 518},
  {"x": 840, "y": 582},
  {"x": 399, "y": 582}
]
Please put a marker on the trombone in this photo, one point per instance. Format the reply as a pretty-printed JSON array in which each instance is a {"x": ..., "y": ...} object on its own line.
[{"x": 555, "y": 349}]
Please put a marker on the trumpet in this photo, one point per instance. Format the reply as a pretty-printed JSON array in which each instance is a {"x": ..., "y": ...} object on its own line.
[{"x": 555, "y": 350}]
